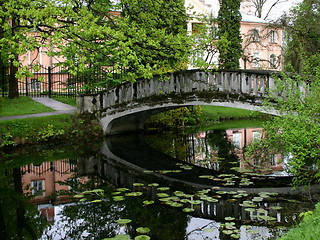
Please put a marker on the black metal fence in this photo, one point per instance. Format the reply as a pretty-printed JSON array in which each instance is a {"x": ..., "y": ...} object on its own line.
[{"x": 43, "y": 81}]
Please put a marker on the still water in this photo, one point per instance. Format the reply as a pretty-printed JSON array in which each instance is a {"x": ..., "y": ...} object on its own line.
[{"x": 195, "y": 185}]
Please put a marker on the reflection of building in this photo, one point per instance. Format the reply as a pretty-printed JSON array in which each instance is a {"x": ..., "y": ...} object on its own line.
[
  {"x": 44, "y": 179},
  {"x": 242, "y": 138},
  {"x": 206, "y": 154}
]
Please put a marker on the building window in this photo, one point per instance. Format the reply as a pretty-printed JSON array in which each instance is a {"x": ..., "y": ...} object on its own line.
[
  {"x": 35, "y": 85},
  {"x": 38, "y": 187},
  {"x": 237, "y": 140},
  {"x": 273, "y": 160},
  {"x": 256, "y": 35},
  {"x": 273, "y": 36},
  {"x": 256, "y": 60},
  {"x": 256, "y": 135},
  {"x": 273, "y": 61}
]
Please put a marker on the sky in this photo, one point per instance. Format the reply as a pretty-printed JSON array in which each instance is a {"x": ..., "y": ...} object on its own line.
[{"x": 276, "y": 12}]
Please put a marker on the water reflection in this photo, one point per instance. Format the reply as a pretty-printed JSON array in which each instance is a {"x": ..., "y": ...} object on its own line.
[
  {"x": 37, "y": 200},
  {"x": 220, "y": 150}
]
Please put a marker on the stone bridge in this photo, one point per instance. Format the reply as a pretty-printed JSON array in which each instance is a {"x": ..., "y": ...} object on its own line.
[{"x": 126, "y": 107}]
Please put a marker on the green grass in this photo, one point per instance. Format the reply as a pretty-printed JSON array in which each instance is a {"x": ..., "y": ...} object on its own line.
[
  {"x": 28, "y": 127},
  {"x": 66, "y": 100},
  {"x": 21, "y": 106},
  {"x": 308, "y": 229},
  {"x": 215, "y": 113}
]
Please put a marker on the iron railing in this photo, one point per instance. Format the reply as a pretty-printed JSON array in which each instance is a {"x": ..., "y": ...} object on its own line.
[{"x": 57, "y": 81}]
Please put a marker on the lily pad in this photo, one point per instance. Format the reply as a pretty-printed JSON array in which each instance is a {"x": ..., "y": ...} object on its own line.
[
  {"x": 146, "y": 202},
  {"x": 162, "y": 195},
  {"x": 119, "y": 237},
  {"x": 122, "y": 189},
  {"x": 229, "y": 218},
  {"x": 138, "y": 184},
  {"x": 276, "y": 208},
  {"x": 209, "y": 230},
  {"x": 142, "y": 237},
  {"x": 187, "y": 210},
  {"x": 124, "y": 221},
  {"x": 153, "y": 184},
  {"x": 118, "y": 198},
  {"x": 134, "y": 194},
  {"x": 163, "y": 188},
  {"x": 143, "y": 230}
]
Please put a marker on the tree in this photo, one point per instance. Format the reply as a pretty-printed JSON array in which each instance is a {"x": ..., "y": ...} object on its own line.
[
  {"x": 303, "y": 35},
  {"x": 230, "y": 49},
  {"x": 295, "y": 132},
  {"x": 90, "y": 34},
  {"x": 263, "y": 8}
]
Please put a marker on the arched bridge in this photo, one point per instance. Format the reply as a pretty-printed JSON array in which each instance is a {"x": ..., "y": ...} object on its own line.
[{"x": 126, "y": 107}]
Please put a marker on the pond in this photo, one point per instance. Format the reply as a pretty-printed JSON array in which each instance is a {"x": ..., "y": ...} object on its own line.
[{"x": 191, "y": 185}]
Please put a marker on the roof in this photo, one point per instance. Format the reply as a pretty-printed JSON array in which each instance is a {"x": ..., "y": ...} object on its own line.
[{"x": 252, "y": 18}]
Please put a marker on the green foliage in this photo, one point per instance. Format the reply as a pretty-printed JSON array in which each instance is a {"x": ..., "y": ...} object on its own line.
[
  {"x": 308, "y": 229},
  {"x": 67, "y": 100},
  {"x": 204, "y": 42},
  {"x": 295, "y": 133},
  {"x": 230, "y": 49},
  {"x": 42, "y": 129},
  {"x": 174, "y": 119},
  {"x": 303, "y": 36},
  {"x": 148, "y": 38}
]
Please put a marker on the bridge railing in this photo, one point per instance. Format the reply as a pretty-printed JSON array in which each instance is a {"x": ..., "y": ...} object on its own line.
[{"x": 242, "y": 82}]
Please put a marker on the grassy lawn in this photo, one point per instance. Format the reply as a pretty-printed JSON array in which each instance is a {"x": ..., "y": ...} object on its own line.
[
  {"x": 32, "y": 126},
  {"x": 66, "y": 100},
  {"x": 214, "y": 113},
  {"x": 21, "y": 106}
]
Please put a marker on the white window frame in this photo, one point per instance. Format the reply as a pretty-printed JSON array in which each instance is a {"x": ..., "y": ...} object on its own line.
[
  {"x": 38, "y": 186},
  {"x": 273, "y": 36},
  {"x": 236, "y": 138},
  {"x": 256, "y": 60},
  {"x": 273, "y": 61}
]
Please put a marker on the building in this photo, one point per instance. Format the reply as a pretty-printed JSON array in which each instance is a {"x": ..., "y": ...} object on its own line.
[{"x": 262, "y": 42}]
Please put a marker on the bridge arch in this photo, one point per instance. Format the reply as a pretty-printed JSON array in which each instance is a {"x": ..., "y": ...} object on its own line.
[{"x": 125, "y": 108}]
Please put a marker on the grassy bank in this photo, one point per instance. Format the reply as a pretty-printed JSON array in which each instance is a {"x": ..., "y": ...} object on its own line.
[
  {"x": 214, "y": 114},
  {"x": 308, "y": 229},
  {"x": 21, "y": 106},
  {"x": 52, "y": 128}
]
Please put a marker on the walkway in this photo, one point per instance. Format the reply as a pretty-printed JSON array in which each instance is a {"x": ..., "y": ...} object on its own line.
[{"x": 59, "y": 107}]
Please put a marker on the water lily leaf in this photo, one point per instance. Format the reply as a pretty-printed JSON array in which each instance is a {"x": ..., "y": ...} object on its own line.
[
  {"x": 142, "y": 237},
  {"x": 257, "y": 199},
  {"x": 146, "y": 202},
  {"x": 196, "y": 202},
  {"x": 276, "y": 208},
  {"x": 185, "y": 200},
  {"x": 148, "y": 171},
  {"x": 118, "y": 198},
  {"x": 221, "y": 192},
  {"x": 174, "y": 204},
  {"x": 187, "y": 210},
  {"x": 124, "y": 221},
  {"x": 267, "y": 218},
  {"x": 227, "y": 232},
  {"x": 122, "y": 189},
  {"x": 116, "y": 193},
  {"x": 96, "y": 201},
  {"x": 250, "y": 209},
  {"x": 260, "y": 210},
  {"x": 246, "y": 226},
  {"x": 153, "y": 184},
  {"x": 235, "y": 235},
  {"x": 143, "y": 230},
  {"x": 179, "y": 193},
  {"x": 138, "y": 184},
  {"x": 206, "y": 176},
  {"x": 229, "y": 218},
  {"x": 119, "y": 237},
  {"x": 82, "y": 200},
  {"x": 162, "y": 195},
  {"x": 134, "y": 194},
  {"x": 163, "y": 188},
  {"x": 253, "y": 231}
]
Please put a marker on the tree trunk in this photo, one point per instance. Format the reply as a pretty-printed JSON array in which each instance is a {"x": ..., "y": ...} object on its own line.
[{"x": 13, "y": 81}]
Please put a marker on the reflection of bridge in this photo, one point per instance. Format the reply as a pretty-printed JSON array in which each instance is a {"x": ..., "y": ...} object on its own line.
[{"x": 128, "y": 106}]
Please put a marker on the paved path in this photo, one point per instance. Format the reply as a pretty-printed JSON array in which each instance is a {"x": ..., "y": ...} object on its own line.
[{"x": 59, "y": 107}]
